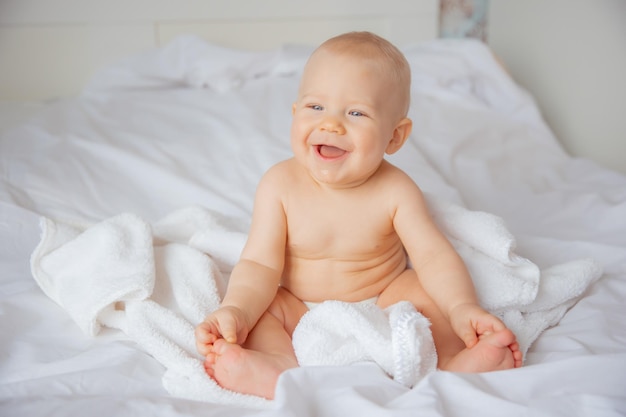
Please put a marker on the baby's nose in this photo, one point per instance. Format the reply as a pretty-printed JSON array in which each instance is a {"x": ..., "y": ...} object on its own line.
[{"x": 332, "y": 124}]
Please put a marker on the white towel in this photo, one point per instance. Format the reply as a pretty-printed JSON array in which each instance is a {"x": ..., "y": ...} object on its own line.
[
  {"x": 88, "y": 272},
  {"x": 527, "y": 299},
  {"x": 502, "y": 278},
  {"x": 154, "y": 286},
  {"x": 155, "y": 283},
  {"x": 398, "y": 339},
  {"x": 559, "y": 289}
]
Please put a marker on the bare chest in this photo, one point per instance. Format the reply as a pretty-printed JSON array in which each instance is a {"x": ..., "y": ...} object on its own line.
[{"x": 344, "y": 229}]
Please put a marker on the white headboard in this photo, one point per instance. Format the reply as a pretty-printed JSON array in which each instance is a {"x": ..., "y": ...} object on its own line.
[{"x": 50, "y": 48}]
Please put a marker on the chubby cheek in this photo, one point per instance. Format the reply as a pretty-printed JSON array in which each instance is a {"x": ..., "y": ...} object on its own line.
[
  {"x": 298, "y": 138},
  {"x": 301, "y": 128}
]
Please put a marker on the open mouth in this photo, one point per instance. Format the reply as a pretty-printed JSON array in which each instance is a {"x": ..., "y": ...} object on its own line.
[{"x": 330, "y": 152}]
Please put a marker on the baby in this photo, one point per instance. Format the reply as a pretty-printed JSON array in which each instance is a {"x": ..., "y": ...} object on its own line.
[{"x": 336, "y": 222}]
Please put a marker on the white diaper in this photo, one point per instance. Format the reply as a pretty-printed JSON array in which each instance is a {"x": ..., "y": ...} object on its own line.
[{"x": 312, "y": 304}]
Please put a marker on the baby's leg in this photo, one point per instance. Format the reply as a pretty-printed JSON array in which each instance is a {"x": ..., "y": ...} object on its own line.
[
  {"x": 492, "y": 352},
  {"x": 495, "y": 351},
  {"x": 255, "y": 367},
  {"x": 252, "y": 369}
]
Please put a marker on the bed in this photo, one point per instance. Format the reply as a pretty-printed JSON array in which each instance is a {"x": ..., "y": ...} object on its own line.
[{"x": 174, "y": 139}]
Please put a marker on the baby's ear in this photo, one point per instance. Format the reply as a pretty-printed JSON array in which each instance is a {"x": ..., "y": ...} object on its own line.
[{"x": 400, "y": 135}]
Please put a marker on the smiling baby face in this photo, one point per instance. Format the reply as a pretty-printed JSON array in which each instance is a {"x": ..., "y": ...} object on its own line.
[{"x": 351, "y": 110}]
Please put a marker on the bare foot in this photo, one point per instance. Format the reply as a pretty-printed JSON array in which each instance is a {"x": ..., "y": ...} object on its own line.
[
  {"x": 246, "y": 371},
  {"x": 493, "y": 352}
]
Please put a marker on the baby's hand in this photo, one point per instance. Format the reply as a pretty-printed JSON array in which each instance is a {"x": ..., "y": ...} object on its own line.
[
  {"x": 227, "y": 322},
  {"x": 470, "y": 321}
]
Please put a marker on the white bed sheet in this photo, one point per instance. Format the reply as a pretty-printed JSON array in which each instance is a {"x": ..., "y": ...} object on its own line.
[{"x": 196, "y": 124}]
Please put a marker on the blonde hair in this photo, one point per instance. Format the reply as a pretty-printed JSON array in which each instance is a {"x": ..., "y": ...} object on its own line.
[{"x": 389, "y": 59}]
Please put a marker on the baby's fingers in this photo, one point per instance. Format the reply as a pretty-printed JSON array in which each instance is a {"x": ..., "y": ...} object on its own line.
[
  {"x": 204, "y": 338},
  {"x": 228, "y": 329},
  {"x": 469, "y": 337},
  {"x": 489, "y": 324},
  {"x": 464, "y": 329}
]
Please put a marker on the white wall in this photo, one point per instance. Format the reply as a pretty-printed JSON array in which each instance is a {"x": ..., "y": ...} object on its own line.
[
  {"x": 50, "y": 48},
  {"x": 571, "y": 54}
]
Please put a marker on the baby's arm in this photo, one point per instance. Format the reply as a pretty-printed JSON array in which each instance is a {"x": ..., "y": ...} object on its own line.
[
  {"x": 440, "y": 269},
  {"x": 254, "y": 281}
]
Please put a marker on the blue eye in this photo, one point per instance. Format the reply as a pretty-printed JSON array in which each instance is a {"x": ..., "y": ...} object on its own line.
[
  {"x": 316, "y": 107},
  {"x": 355, "y": 113}
]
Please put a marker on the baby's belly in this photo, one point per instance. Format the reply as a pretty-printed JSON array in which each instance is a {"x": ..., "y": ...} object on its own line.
[{"x": 331, "y": 279}]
